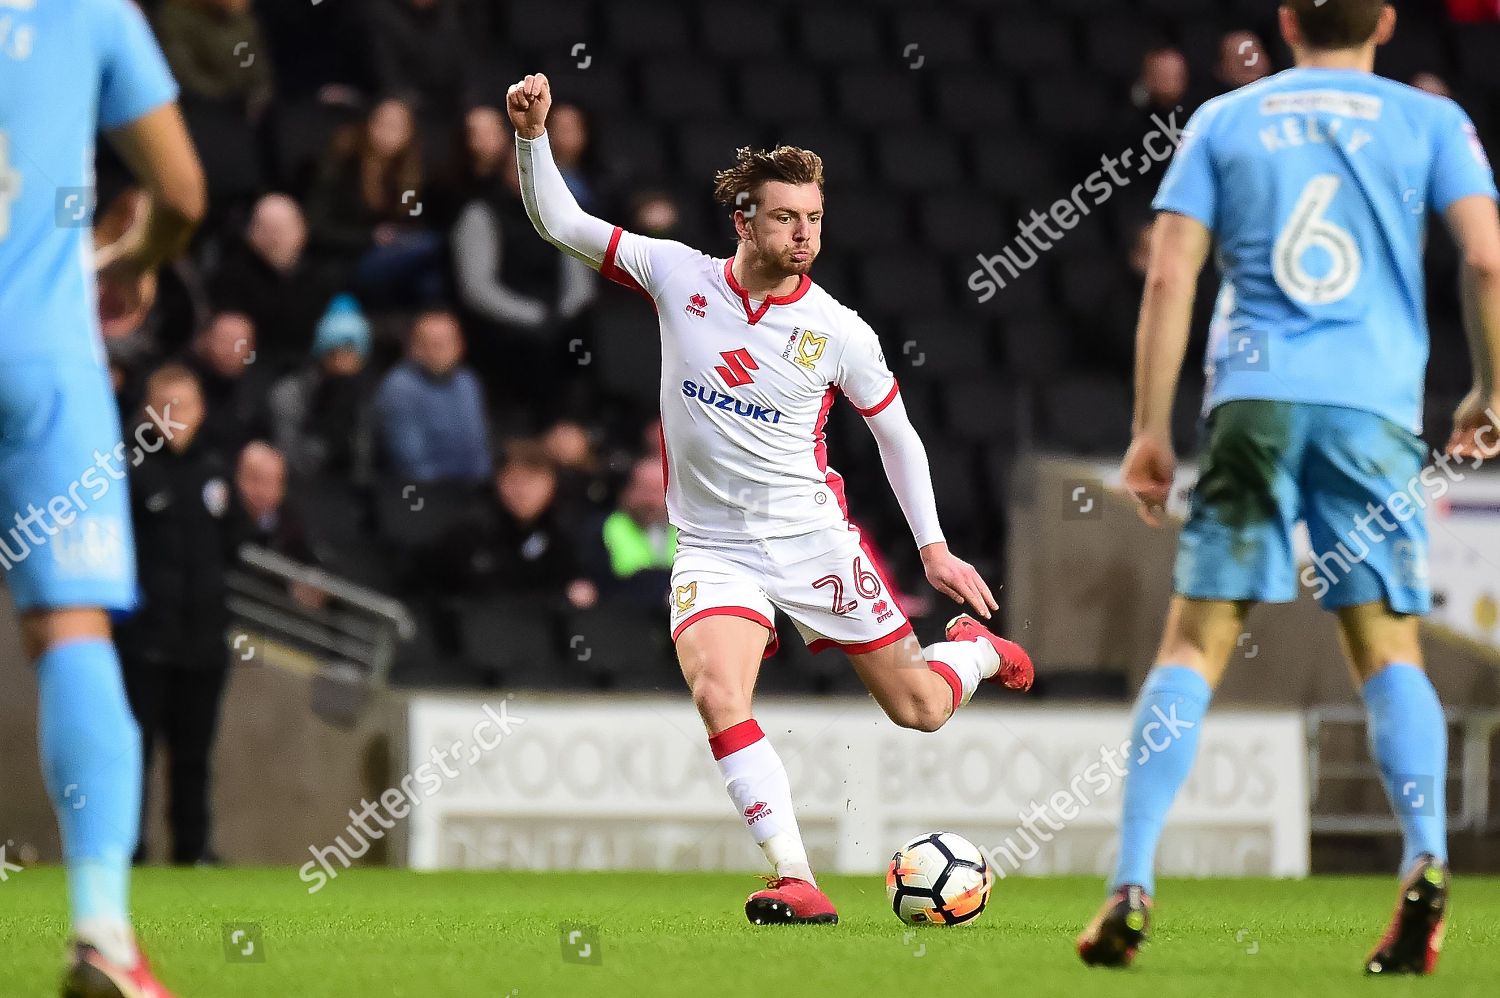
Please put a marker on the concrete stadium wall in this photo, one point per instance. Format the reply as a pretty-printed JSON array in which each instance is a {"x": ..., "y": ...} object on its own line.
[
  {"x": 1090, "y": 591},
  {"x": 285, "y": 778}
]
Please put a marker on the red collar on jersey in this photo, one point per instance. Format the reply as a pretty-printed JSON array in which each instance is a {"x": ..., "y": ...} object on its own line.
[{"x": 754, "y": 315}]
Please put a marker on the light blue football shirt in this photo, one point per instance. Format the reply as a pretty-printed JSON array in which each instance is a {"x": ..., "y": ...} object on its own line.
[
  {"x": 68, "y": 69},
  {"x": 1318, "y": 184}
]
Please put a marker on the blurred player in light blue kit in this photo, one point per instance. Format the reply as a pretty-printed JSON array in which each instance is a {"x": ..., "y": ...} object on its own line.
[
  {"x": 69, "y": 68},
  {"x": 1316, "y": 184}
]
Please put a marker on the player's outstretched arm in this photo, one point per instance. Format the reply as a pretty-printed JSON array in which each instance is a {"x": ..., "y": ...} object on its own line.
[
  {"x": 907, "y": 469},
  {"x": 1475, "y": 224},
  {"x": 553, "y": 210},
  {"x": 1179, "y": 250}
]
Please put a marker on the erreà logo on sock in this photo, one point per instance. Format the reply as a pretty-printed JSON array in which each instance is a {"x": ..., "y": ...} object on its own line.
[{"x": 757, "y": 811}]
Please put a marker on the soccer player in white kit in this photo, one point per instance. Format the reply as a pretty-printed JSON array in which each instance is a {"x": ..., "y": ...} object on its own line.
[{"x": 753, "y": 354}]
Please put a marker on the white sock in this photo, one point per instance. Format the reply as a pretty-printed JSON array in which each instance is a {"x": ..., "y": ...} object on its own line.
[
  {"x": 111, "y": 937},
  {"x": 757, "y": 783},
  {"x": 971, "y": 662}
]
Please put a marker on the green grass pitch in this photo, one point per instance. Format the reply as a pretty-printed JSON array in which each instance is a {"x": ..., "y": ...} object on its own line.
[{"x": 409, "y": 935}]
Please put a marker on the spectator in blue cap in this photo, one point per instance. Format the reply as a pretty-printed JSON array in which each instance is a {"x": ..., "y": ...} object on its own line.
[{"x": 322, "y": 414}]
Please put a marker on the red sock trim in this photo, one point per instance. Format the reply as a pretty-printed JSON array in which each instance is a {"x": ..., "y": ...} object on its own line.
[
  {"x": 731, "y": 740},
  {"x": 946, "y": 671}
]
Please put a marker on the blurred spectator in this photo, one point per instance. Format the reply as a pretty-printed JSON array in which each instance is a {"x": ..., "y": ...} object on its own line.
[
  {"x": 365, "y": 208},
  {"x": 568, "y": 134},
  {"x": 512, "y": 543},
  {"x": 580, "y": 488},
  {"x": 322, "y": 415},
  {"x": 173, "y": 649},
  {"x": 629, "y": 556},
  {"x": 1163, "y": 85},
  {"x": 480, "y": 154},
  {"x": 220, "y": 58},
  {"x": 223, "y": 357},
  {"x": 655, "y": 214},
  {"x": 430, "y": 409},
  {"x": 1432, "y": 83},
  {"x": 266, "y": 517},
  {"x": 319, "y": 50},
  {"x": 420, "y": 54},
  {"x": 267, "y": 277},
  {"x": 216, "y": 51},
  {"x": 516, "y": 290},
  {"x": 1242, "y": 60}
]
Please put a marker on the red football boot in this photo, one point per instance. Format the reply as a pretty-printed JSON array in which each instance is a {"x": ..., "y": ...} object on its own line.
[
  {"x": 789, "y": 901},
  {"x": 1015, "y": 670},
  {"x": 92, "y": 975},
  {"x": 1414, "y": 940},
  {"x": 1117, "y": 932}
]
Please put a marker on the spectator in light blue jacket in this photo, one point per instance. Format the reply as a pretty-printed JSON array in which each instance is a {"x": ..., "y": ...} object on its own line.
[{"x": 430, "y": 408}]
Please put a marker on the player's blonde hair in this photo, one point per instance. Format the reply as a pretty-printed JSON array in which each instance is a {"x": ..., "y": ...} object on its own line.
[{"x": 739, "y": 186}]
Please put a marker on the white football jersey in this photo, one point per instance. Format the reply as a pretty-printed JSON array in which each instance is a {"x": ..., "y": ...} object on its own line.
[{"x": 745, "y": 391}]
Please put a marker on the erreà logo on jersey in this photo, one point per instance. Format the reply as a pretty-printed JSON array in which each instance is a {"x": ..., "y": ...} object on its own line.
[
  {"x": 697, "y": 305},
  {"x": 715, "y": 399}
]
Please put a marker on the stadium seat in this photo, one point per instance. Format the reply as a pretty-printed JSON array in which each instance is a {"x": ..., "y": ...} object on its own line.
[
  {"x": 1088, "y": 414},
  {"x": 980, "y": 407},
  {"x": 902, "y": 283},
  {"x": 940, "y": 347},
  {"x": 706, "y": 147},
  {"x": 1115, "y": 46},
  {"x": 627, "y": 343},
  {"x": 1070, "y": 107},
  {"x": 865, "y": 219},
  {"x": 778, "y": 93},
  {"x": 886, "y": 100},
  {"x": 843, "y": 150},
  {"x": 834, "y": 273},
  {"x": 300, "y": 135},
  {"x": 683, "y": 88},
  {"x": 741, "y": 31},
  {"x": 974, "y": 100},
  {"x": 1026, "y": 45},
  {"x": 411, "y": 514},
  {"x": 1094, "y": 283},
  {"x": 953, "y": 478},
  {"x": 618, "y": 648},
  {"x": 549, "y": 24},
  {"x": 1013, "y": 163},
  {"x": 646, "y": 27},
  {"x": 1035, "y": 351},
  {"x": 838, "y": 36},
  {"x": 1174, "y": 9},
  {"x": 936, "y": 37},
  {"x": 1416, "y": 48},
  {"x": 962, "y": 223},
  {"x": 918, "y": 165},
  {"x": 1476, "y": 47},
  {"x": 634, "y": 146},
  {"x": 511, "y": 641},
  {"x": 790, "y": 669},
  {"x": 602, "y": 86}
]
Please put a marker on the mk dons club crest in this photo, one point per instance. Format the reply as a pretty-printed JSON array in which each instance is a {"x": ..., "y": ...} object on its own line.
[
  {"x": 805, "y": 348},
  {"x": 683, "y": 597}
]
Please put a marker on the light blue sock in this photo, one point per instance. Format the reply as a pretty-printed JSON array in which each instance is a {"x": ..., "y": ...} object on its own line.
[
  {"x": 91, "y": 760},
  {"x": 1163, "y": 744},
  {"x": 1409, "y": 740}
]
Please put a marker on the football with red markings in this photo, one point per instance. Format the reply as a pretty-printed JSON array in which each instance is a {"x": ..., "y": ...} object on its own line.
[{"x": 939, "y": 879}]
